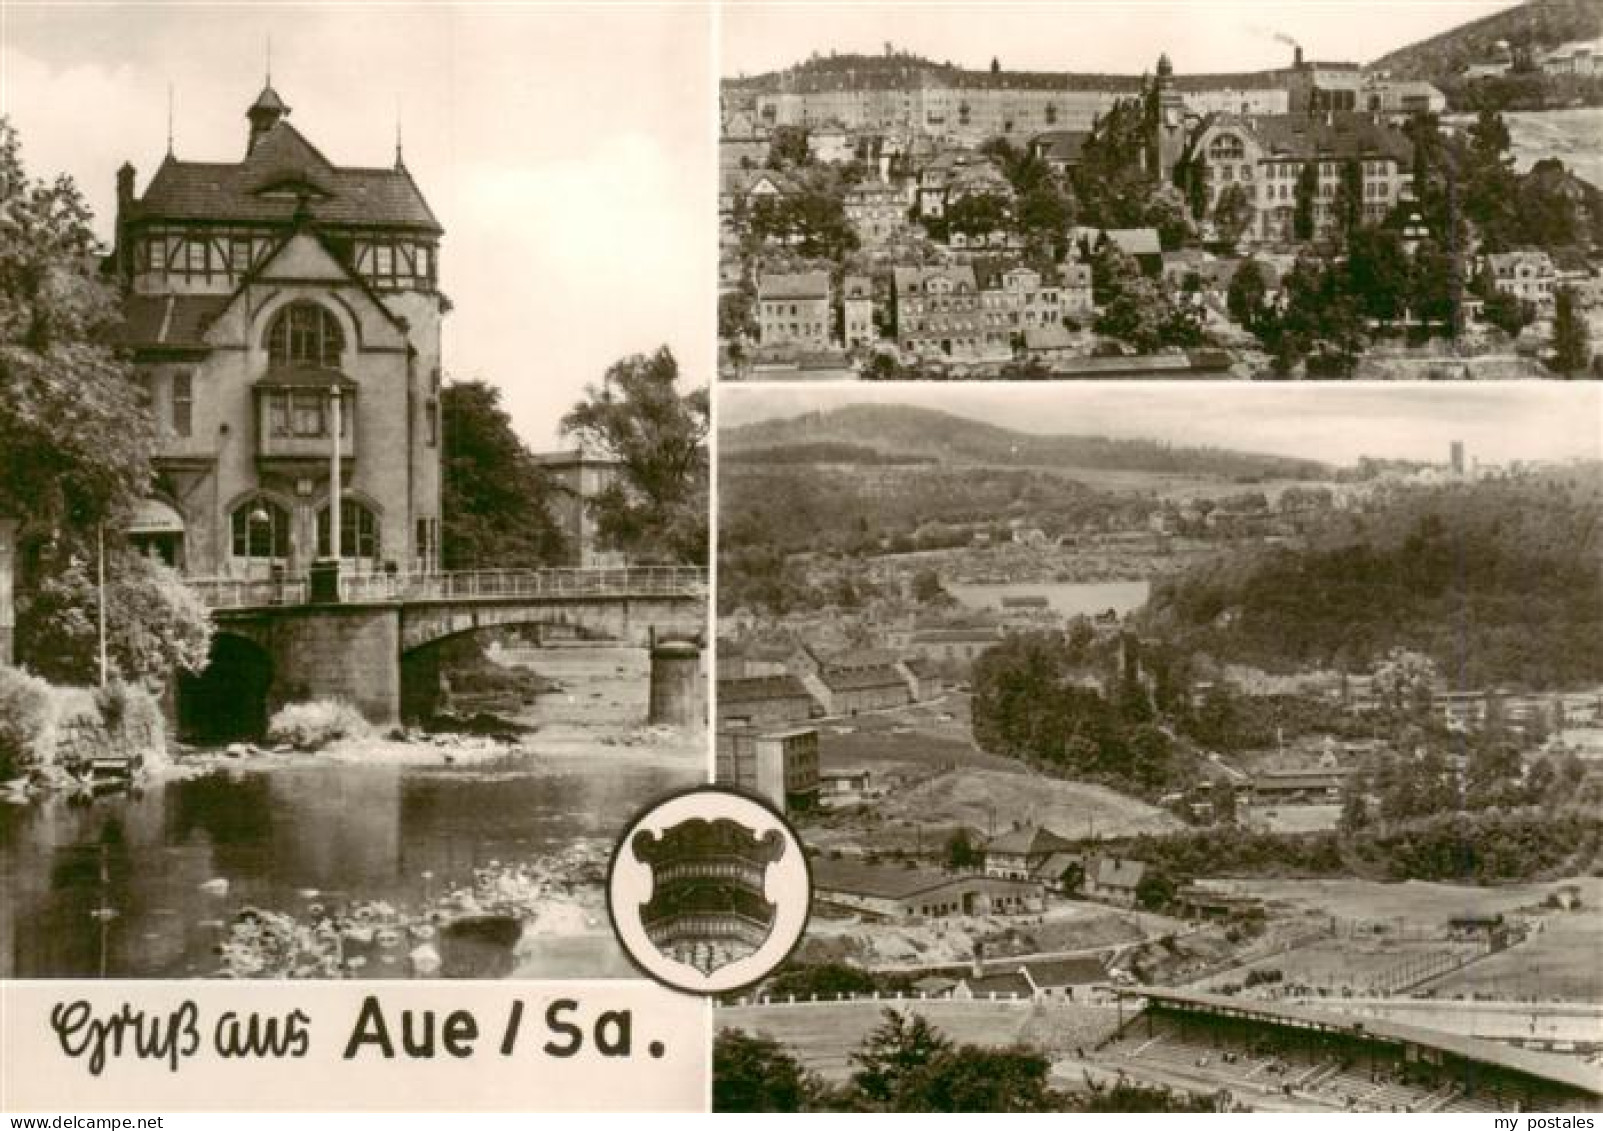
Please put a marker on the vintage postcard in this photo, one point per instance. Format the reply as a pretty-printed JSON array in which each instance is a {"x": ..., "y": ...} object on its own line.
[{"x": 469, "y": 645}]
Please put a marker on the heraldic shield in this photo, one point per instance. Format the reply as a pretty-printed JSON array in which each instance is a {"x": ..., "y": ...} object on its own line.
[{"x": 707, "y": 907}]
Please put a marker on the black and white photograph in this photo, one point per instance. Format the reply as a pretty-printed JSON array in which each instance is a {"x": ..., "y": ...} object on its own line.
[
  {"x": 1161, "y": 189},
  {"x": 353, "y": 482},
  {"x": 1170, "y": 747},
  {"x": 801, "y": 556}
]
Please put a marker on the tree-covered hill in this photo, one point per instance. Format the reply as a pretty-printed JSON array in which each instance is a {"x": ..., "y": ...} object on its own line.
[
  {"x": 908, "y": 430},
  {"x": 1500, "y": 583},
  {"x": 1534, "y": 26}
]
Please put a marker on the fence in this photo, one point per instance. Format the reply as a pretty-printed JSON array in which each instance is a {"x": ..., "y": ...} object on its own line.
[{"x": 485, "y": 584}]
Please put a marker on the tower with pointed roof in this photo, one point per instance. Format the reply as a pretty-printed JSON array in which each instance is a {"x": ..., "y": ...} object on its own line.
[{"x": 256, "y": 294}]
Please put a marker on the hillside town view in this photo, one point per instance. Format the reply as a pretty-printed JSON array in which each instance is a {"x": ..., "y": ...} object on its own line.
[
  {"x": 1434, "y": 213},
  {"x": 1136, "y": 772}
]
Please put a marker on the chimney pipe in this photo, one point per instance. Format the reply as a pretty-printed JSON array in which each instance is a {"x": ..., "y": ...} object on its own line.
[{"x": 1296, "y": 58}]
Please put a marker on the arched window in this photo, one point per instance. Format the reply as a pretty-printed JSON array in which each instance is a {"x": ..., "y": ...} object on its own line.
[
  {"x": 359, "y": 531},
  {"x": 1226, "y": 147},
  {"x": 261, "y": 529},
  {"x": 305, "y": 334}
]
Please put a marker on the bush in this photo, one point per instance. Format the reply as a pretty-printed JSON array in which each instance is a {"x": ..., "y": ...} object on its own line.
[
  {"x": 131, "y": 718},
  {"x": 313, "y": 725},
  {"x": 27, "y": 722}
]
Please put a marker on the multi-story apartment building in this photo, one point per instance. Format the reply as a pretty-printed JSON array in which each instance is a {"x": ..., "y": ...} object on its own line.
[
  {"x": 1266, "y": 156},
  {"x": 876, "y": 211},
  {"x": 938, "y": 312},
  {"x": 900, "y": 94},
  {"x": 1014, "y": 299},
  {"x": 857, "y": 311},
  {"x": 1528, "y": 275},
  {"x": 278, "y": 308},
  {"x": 793, "y": 309}
]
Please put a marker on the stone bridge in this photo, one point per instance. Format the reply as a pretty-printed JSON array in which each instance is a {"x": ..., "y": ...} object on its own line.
[{"x": 373, "y": 646}]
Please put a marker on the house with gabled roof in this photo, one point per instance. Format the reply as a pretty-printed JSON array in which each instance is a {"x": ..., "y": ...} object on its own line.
[
  {"x": 1016, "y": 853},
  {"x": 278, "y": 308}
]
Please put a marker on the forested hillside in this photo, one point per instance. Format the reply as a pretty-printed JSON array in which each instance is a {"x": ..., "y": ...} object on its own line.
[{"x": 1499, "y": 583}]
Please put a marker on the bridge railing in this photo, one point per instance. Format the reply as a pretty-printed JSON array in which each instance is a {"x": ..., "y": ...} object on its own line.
[{"x": 484, "y": 584}]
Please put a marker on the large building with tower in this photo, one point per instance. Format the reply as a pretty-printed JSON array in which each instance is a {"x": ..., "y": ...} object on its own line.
[{"x": 279, "y": 306}]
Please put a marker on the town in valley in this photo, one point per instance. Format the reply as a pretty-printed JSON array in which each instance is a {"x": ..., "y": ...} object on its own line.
[
  {"x": 1434, "y": 213},
  {"x": 1146, "y": 756}
]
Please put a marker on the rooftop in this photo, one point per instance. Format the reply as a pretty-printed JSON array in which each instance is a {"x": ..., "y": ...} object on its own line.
[
  {"x": 802, "y": 284},
  {"x": 755, "y": 689},
  {"x": 281, "y": 172}
]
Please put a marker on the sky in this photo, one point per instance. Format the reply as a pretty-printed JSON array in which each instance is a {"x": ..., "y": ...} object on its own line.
[
  {"x": 1335, "y": 423},
  {"x": 568, "y": 153},
  {"x": 1088, "y": 35}
]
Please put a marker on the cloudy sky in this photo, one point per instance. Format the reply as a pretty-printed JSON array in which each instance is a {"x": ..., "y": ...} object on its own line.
[
  {"x": 566, "y": 151},
  {"x": 1335, "y": 423},
  {"x": 1089, "y": 35}
]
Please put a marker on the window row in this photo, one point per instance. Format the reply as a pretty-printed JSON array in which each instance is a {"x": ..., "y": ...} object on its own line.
[
  {"x": 261, "y": 529},
  {"x": 392, "y": 262}
]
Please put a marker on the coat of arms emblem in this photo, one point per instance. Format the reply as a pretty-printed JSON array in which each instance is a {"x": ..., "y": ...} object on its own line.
[{"x": 708, "y": 907}]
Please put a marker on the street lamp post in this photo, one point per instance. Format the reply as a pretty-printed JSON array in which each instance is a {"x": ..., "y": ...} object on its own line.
[
  {"x": 325, "y": 587},
  {"x": 100, "y": 572},
  {"x": 336, "y": 487}
]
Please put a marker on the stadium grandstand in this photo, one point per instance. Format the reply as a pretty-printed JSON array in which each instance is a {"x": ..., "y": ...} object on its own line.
[{"x": 1335, "y": 1061}]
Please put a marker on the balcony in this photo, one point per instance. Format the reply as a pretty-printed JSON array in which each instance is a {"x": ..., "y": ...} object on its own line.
[{"x": 295, "y": 411}]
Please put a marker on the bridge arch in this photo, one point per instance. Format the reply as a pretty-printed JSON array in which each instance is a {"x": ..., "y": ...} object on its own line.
[{"x": 228, "y": 700}]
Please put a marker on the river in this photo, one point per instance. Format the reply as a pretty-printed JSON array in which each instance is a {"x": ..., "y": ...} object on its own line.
[
  {"x": 1078, "y": 598},
  {"x": 286, "y": 832}
]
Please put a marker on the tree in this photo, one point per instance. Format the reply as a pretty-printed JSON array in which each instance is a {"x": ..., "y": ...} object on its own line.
[
  {"x": 1347, "y": 207},
  {"x": 928, "y": 590},
  {"x": 788, "y": 147},
  {"x": 495, "y": 498},
  {"x": 658, "y": 506},
  {"x": 978, "y": 214},
  {"x": 1132, "y": 307},
  {"x": 155, "y": 624},
  {"x": 889, "y": 1056},
  {"x": 1155, "y": 890},
  {"x": 1380, "y": 273},
  {"x": 972, "y": 1079},
  {"x": 1233, "y": 214},
  {"x": 1303, "y": 193},
  {"x": 1246, "y": 297},
  {"x": 1572, "y": 350},
  {"x": 962, "y": 853},
  {"x": 76, "y": 439},
  {"x": 1354, "y": 807},
  {"x": 754, "y": 1074}
]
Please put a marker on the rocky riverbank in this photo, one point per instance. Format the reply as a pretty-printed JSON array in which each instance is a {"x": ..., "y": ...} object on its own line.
[{"x": 465, "y": 931}]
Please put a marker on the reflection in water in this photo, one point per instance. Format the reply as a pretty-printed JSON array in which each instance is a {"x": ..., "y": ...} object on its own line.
[{"x": 345, "y": 832}]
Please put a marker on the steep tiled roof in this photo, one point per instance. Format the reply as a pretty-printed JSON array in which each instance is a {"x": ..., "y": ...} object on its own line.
[
  {"x": 911, "y": 280},
  {"x": 1136, "y": 241},
  {"x": 1112, "y": 872},
  {"x": 801, "y": 284},
  {"x": 284, "y": 161},
  {"x": 1031, "y": 840},
  {"x": 1344, "y": 135},
  {"x": 175, "y": 321}
]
